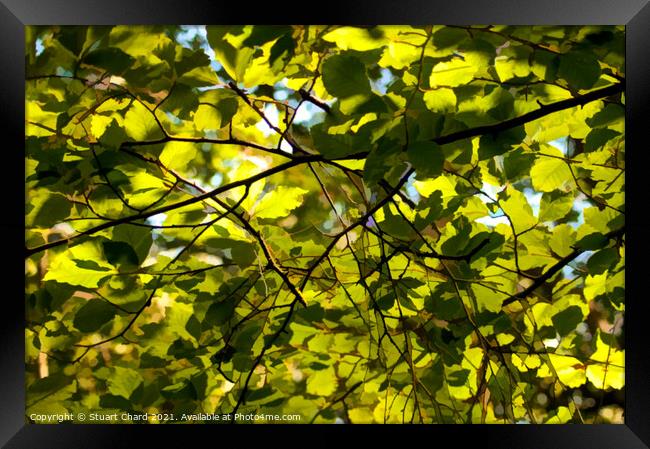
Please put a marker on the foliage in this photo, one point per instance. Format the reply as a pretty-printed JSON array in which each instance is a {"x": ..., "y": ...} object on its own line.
[{"x": 357, "y": 224}]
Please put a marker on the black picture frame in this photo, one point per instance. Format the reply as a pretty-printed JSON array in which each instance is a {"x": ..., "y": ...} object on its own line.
[{"x": 15, "y": 14}]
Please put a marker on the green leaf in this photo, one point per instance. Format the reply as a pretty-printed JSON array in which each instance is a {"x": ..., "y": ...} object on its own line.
[
  {"x": 568, "y": 370},
  {"x": 137, "y": 40},
  {"x": 518, "y": 209},
  {"x": 380, "y": 161},
  {"x": 592, "y": 241},
  {"x": 491, "y": 145},
  {"x": 200, "y": 77},
  {"x": 176, "y": 155},
  {"x": 609, "y": 115},
  {"x": 180, "y": 390},
  {"x": 50, "y": 398},
  {"x": 551, "y": 173},
  {"x": 93, "y": 315},
  {"x": 566, "y": 321},
  {"x": 517, "y": 163},
  {"x": 602, "y": 260},
  {"x": 344, "y": 76},
  {"x": 555, "y": 206},
  {"x": 99, "y": 124},
  {"x": 610, "y": 372},
  {"x": 188, "y": 60},
  {"x": 82, "y": 266},
  {"x": 220, "y": 312},
  {"x": 120, "y": 253},
  {"x": 579, "y": 68},
  {"x": 246, "y": 338},
  {"x": 216, "y": 110},
  {"x": 441, "y": 100},
  {"x": 322, "y": 382},
  {"x": 452, "y": 73},
  {"x": 599, "y": 137},
  {"x": 336, "y": 145},
  {"x": 448, "y": 37},
  {"x": 356, "y": 38},
  {"x": 513, "y": 62},
  {"x": 487, "y": 299},
  {"x": 124, "y": 381},
  {"x": 285, "y": 44},
  {"x": 138, "y": 238},
  {"x": 182, "y": 101},
  {"x": 207, "y": 116},
  {"x": 234, "y": 60},
  {"x": 266, "y": 33},
  {"x": 563, "y": 240},
  {"x": 386, "y": 302},
  {"x": 113, "y": 135},
  {"x": 140, "y": 124},
  {"x": 111, "y": 59},
  {"x": 279, "y": 202},
  {"x": 241, "y": 252},
  {"x": 53, "y": 210},
  {"x": 427, "y": 159}
]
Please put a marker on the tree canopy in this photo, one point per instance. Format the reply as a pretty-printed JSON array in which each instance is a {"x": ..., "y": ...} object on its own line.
[{"x": 350, "y": 224}]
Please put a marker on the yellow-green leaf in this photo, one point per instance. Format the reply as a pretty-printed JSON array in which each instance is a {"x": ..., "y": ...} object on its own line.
[{"x": 279, "y": 202}]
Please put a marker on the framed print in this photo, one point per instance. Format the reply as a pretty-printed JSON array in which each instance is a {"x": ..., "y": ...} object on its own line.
[{"x": 375, "y": 218}]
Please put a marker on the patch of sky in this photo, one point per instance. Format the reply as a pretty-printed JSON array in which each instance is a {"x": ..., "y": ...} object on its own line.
[
  {"x": 172, "y": 118},
  {"x": 286, "y": 147},
  {"x": 562, "y": 144},
  {"x": 533, "y": 199},
  {"x": 205, "y": 186},
  {"x": 306, "y": 113},
  {"x": 216, "y": 180},
  {"x": 188, "y": 34},
  {"x": 280, "y": 94},
  {"x": 231, "y": 163},
  {"x": 381, "y": 84},
  {"x": 329, "y": 224},
  {"x": 339, "y": 207},
  {"x": 579, "y": 205},
  {"x": 412, "y": 192},
  {"x": 39, "y": 46},
  {"x": 60, "y": 71},
  {"x": 567, "y": 271},
  {"x": 172, "y": 252},
  {"x": 580, "y": 202},
  {"x": 494, "y": 218},
  {"x": 271, "y": 113},
  {"x": 156, "y": 220}
]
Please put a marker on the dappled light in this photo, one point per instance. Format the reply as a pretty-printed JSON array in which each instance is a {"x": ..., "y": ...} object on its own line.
[{"x": 325, "y": 224}]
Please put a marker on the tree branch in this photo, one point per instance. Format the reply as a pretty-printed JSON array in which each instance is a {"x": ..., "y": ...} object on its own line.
[
  {"x": 555, "y": 268},
  {"x": 306, "y": 96},
  {"x": 273, "y": 264},
  {"x": 244, "y": 182},
  {"x": 532, "y": 115}
]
